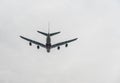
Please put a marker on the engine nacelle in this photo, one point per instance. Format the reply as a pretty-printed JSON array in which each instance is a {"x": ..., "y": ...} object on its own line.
[
  {"x": 30, "y": 44},
  {"x": 58, "y": 48},
  {"x": 66, "y": 45},
  {"x": 38, "y": 47}
]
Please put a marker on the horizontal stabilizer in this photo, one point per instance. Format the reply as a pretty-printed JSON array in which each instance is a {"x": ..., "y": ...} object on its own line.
[
  {"x": 42, "y": 33},
  {"x": 51, "y": 34}
]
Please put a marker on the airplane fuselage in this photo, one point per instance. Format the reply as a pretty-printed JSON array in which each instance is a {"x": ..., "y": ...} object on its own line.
[{"x": 48, "y": 43}]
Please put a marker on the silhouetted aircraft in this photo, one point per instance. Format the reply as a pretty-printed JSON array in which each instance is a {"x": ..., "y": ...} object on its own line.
[{"x": 48, "y": 44}]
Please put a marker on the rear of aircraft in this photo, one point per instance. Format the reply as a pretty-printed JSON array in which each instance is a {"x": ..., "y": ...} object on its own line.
[
  {"x": 50, "y": 34},
  {"x": 46, "y": 34}
]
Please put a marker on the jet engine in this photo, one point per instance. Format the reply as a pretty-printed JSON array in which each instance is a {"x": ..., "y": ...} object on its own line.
[
  {"x": 30, "y": 44},
  {"x": 38, "y": 47},
  {"x": 58, "y": 48},
  {"x": 66, "y": 45}
]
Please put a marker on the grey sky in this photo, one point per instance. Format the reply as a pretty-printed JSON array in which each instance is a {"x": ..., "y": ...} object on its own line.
[{"x": 93, "y": 58}]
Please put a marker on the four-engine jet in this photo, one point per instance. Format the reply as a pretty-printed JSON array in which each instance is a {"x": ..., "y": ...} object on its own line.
[{"x": 48, "y": 44}]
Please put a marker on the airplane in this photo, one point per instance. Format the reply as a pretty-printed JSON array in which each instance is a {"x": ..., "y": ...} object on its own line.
[{"x": 48, "y": 44}]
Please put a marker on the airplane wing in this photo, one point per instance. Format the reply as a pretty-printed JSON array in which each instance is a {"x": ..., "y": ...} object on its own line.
[
  {"x": 32, "y": 41},
  {"x": 62, "y": 43}
]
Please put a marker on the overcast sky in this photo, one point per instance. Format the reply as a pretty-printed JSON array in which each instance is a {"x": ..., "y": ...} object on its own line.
[{"x": 93, "y": 58}]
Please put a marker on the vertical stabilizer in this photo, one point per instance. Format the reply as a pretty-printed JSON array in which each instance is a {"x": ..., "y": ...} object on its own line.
[{"x": 48, "y": 27}]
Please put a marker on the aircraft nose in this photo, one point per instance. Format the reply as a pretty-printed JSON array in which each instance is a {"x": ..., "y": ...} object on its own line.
[{"x": 48, "y": 51}]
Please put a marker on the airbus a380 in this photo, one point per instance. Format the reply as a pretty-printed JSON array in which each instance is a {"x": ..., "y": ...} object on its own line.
[{"x": 48, "y": 44}]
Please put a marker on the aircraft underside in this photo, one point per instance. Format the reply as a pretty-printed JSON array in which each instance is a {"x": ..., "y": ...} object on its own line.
[{"x": 48, "y": 45}]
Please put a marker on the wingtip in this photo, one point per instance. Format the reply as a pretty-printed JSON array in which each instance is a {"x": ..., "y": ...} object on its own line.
[
  {"x": 39, "y": 31},
  {"x": 21, "y": 36},
  {"x": 76, "y": 38}
]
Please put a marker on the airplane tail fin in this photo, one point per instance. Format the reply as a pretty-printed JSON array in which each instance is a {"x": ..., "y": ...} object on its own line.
[
  {"x": 48, "y": 27},
  {"x": 42, "y": 33},
  {"x": 55, "y": 33},
  {"x": 51, "y": 34},
  {"x": 46, "y": 34}
]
